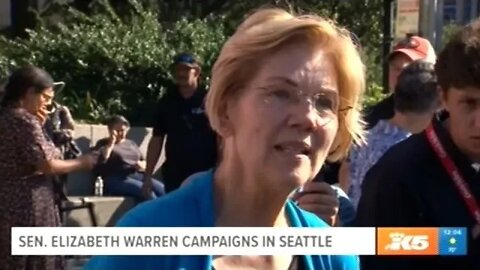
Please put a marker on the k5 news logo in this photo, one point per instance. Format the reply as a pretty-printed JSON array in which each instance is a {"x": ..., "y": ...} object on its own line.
[{"x": 421, "y": 241}]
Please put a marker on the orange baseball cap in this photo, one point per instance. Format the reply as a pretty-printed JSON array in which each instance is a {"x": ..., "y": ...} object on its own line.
[{"x": 415, "y": 48}]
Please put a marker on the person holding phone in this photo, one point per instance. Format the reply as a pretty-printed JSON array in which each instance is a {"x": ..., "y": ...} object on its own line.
[
  {"x": 28, "y": 163},
  {"x": 122, "y": 164}
]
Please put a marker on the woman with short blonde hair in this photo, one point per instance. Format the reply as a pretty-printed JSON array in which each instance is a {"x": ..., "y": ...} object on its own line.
[
  {"x": 284, "y": 97},
  {"x": 253, "y": 42}
]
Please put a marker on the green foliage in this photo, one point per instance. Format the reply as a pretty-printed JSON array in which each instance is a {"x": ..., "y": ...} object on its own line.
[
  {"x": 374, "y": 94},
  {"x": 448, "y": 31},
  {"x": 365, "y": 19},
  {"x": 362, "y": 17},
  {"x": 112, "y": 64},
  {"x": 116, "y": 59}
]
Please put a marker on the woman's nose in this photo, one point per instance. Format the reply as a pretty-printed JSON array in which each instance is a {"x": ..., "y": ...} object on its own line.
[{"x": 304, "y": 116}]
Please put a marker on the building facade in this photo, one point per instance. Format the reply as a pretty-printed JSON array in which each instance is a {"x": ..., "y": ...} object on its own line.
[{"x": 460, "y": 11}]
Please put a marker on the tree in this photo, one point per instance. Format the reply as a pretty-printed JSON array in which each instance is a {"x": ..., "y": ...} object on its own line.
[
  {"x": 115, "y": 58},
  {"x": 21, "y": 17}
]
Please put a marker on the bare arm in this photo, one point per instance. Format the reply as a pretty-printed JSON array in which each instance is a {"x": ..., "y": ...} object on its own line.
[
  {"x": 58, "y": 166},
  {"x": 105, "y": 146},
  {"x": 107, "y": 151},
  {"x": 153, "y": 153},
  {"x": 38, "y": 154}
]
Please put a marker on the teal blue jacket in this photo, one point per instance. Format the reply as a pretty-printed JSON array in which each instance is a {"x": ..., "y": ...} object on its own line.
[{"x": 193, "y": 206}]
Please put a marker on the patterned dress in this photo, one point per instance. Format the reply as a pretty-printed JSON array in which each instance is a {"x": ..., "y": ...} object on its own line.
[
  {"x": 27, "y": 197},
  {"x": 379, "y": 139}
]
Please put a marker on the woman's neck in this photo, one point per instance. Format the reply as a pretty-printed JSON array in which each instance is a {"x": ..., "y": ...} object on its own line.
[{"x": 243, "y": 200}]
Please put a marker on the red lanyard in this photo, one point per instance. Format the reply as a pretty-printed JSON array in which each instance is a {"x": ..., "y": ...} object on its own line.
[{"x": 455, "y": 175}]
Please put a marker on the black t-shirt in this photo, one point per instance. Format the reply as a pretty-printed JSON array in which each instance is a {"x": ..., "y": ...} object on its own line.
[
  {"x": 122, "y": 160},
  {"x": 409, "y": 187},
  {"x": 385, "y": 109},
  {"x": 191, "y": 144}
]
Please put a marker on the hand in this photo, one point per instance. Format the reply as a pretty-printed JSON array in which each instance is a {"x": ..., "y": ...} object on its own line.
[
  {"x": 112, "y": 138},
  {"x": 320, "y": 199},
  {"x": 89, "y": 160},
  {"x": 141, "y": 165},
  {"x": 42, "y": 115},
  {"x": 68, "y": 133},
  {"x": 147, "y": 187}
]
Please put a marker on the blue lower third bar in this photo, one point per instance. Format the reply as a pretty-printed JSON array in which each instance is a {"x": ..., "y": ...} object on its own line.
[{"x": 452, "y": 241}]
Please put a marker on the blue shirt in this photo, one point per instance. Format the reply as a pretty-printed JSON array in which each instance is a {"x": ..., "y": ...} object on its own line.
[
  {"x": 193, "y": 206},
  {"x": 379, "y": 139}
]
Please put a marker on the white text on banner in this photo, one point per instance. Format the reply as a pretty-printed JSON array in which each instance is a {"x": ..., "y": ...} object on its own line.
[{"x": 191, "y": 241}]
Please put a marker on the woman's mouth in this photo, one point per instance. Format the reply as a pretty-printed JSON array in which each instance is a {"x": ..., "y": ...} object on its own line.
[{"x": 294, "y": 148}]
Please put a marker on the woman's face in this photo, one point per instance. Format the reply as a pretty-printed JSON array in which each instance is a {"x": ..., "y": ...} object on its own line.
[
  {"x": 284, "y": 122},
  {"x": 120, "y": 130},
  {"x": 35, "y": 102}
]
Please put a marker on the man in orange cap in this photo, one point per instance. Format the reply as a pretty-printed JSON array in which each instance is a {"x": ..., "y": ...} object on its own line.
[{"x": 404, "y": 52}]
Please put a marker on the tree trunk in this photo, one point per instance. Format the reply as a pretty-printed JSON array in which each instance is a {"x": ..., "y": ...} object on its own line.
[{"x": 22, "y": 18}]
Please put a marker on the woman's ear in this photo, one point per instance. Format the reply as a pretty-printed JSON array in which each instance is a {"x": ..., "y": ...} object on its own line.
[{"x": 225, "y": 120}]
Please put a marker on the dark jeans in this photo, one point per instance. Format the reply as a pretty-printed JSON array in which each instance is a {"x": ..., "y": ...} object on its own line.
[{"x": 131, "y": 186}]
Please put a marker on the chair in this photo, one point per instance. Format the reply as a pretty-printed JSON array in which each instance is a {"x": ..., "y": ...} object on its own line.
[{"x": 66, "y": 205}]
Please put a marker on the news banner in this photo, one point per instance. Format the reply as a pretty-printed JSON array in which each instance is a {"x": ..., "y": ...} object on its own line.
[{"x": 237, "y": 241}]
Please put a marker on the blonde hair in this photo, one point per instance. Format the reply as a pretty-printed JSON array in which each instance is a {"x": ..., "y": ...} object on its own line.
[{"x": 264, "y": 32}]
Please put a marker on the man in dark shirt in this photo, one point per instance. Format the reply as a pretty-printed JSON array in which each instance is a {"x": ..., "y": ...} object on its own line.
[
  {"x": 404, "y": 52},
  {"x": 190, "y": 142},
  {"x": 413, "y": 184}
]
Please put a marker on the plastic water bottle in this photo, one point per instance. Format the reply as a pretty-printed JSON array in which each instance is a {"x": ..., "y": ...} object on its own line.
[{"x": 99, "y": 186}]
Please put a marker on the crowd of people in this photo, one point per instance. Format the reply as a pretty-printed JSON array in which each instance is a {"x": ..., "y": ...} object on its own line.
[{"x": 285, "y": 100}]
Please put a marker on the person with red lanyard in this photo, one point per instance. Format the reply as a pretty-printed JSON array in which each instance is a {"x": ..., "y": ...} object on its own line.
[{"x": 432, "y": 179}]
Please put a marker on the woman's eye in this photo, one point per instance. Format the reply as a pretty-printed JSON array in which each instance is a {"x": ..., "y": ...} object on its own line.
[
  {"x": 281, "y": 94},
  {"x": 323, "y": 102}
]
